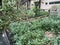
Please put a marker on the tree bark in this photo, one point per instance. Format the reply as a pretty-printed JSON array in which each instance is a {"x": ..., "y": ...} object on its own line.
[
  {"x": 28, "y": 4},
  {"x": 39, "y": 3},
  {"x": 5, "y": 38}
]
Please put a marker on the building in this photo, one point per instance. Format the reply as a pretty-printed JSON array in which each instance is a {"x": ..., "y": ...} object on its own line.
[
  {"x": 47, "y": 4},
  {"x": 44, "y": 5}
]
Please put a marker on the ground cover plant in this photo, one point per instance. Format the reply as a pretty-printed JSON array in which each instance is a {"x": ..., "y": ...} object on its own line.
[
  {"x": 29, "y": 32},
  {"x": 10, "y": 13},
  {"x": 24, "y": 35},
  {"x": 32, "y": 32}
]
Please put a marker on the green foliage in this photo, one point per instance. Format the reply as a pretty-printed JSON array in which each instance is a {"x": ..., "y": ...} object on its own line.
[
  {"x": 38, "y": 12},
  {"x": 8, "y": 5},
  {"x": 51, "y": 24},
  {"x": 32, "y": 32},
  {"x": 1, "y": 22},
  {"x": 9, "y": 13},
  {"x": 28, "y": 32},
  {"x": 30, "y": 13},
  {"x": 24, "y": 35},
  {"x": 43, "y": 13}
]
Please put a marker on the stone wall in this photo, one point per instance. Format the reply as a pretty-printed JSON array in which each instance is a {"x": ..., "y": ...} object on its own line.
[{"x": 53, "y": 12}]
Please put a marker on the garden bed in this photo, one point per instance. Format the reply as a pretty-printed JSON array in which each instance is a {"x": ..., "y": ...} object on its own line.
[{"x": 33, "y": 32}]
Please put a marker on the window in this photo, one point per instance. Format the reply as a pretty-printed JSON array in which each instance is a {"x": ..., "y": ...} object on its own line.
[
  {"x": 46, "y": 3},
  {"x": 55, "y": 9},
  {"x": 57, "y": 2},
  {"x": 51, "y": 3}
]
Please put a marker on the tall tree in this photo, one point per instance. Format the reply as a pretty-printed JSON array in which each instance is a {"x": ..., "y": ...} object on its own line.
[
  {"x": 28, "y": 4},
  {"x": 39, "y": 3}
]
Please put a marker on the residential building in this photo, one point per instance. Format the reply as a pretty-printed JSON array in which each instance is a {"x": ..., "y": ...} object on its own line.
[
  {"x": 44, "y": 5},
  {"x": 47, "y": 4}
]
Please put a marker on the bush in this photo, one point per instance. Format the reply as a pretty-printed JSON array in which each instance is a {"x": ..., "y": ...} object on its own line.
[
  {"x": 43, "y": 13},
  {"x": 24, "y": 35},
  {"x": 38, "y": 12},
  {"x": 1, "y": 22},
  {"x": 32, "y": 32},
  {"x": 30, "y": 13},
  {"x": 10, "y": 13}
]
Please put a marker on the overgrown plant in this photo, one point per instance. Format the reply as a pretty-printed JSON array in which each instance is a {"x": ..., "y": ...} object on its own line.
[
  {"x": 32, "y": 32},
  {"x": 24, "y": 35},
  {"x": 39, "y": 12}
]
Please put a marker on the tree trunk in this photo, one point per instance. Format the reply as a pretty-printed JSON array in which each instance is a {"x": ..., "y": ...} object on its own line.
[
  {"x": 39, "y": 3},
  {"x": 17, "y": 5},
  {"x": 5, "y": 38},
  {"x": 28, "y": 4}
]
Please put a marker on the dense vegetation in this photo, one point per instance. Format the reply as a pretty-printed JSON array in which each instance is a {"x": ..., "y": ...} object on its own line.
[
  {"x": 27, "y": 27},
  {"x": 32, "y": 32}
]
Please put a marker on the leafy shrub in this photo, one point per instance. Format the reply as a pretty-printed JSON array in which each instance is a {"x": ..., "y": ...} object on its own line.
[
  {"x": 1, "y": 22},
  {"x": 30, "y": 13},
  {"x": 38, "y": 12},
  {"x": 32, "y": 32},
  {"x": 43, "y": 13},
  {"x": 55, "y": 17},
  {"x": 10, "y": 13},
  {"x": 24, "y": 35},
  {"x": 51, "y": 24}
]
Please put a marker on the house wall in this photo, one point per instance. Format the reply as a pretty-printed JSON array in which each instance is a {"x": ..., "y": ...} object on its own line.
[{"x": 45, "y": 4}]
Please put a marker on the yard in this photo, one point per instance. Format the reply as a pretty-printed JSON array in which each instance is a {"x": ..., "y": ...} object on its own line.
[{"x": 20, "y": 26}]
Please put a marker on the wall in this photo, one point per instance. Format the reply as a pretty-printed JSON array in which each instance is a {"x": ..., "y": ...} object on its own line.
[{"x": 45, "y": 4}]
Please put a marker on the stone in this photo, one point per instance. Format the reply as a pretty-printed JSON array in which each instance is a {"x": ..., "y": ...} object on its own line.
[{"x": 49, "y": 35}]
